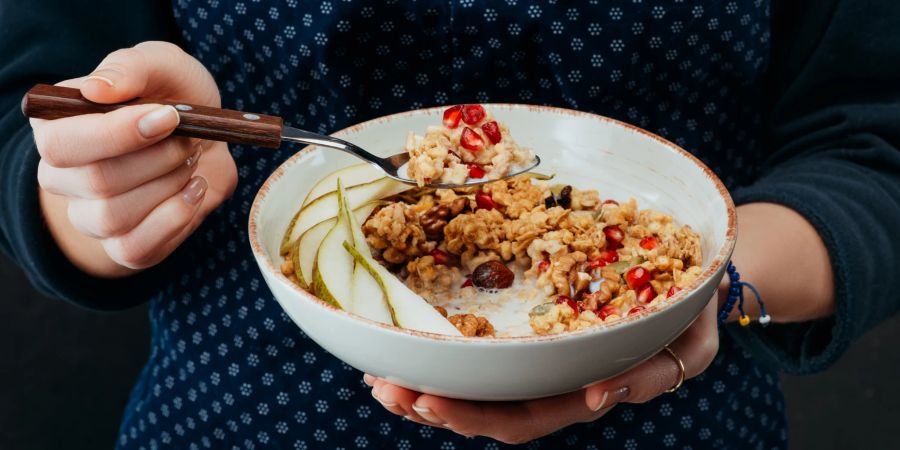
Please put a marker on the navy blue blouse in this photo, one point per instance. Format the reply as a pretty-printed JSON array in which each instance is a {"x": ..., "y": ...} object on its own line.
[{"x": 228, "y": 369}]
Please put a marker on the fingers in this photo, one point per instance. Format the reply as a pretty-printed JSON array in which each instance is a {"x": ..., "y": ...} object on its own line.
[
  {"x": 153, "y": 69},
  {"x": 109, "y": 217},
  {"x": 154, "y": 237},
  {"x": 79, "y": 140},
  {"x": 113, "y": 176},
  {"x": 508, "y": 422},
  {"x": 696, "y": 348}
]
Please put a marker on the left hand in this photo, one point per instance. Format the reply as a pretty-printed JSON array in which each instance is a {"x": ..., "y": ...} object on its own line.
[{"x": 520, "y": 422}]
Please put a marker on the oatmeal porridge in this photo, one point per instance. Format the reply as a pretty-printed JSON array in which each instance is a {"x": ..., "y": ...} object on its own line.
[{"x": 469, "y": 144}]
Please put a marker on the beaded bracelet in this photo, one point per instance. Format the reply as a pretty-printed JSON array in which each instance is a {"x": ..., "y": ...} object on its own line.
[{"x": 736, "y": 295}]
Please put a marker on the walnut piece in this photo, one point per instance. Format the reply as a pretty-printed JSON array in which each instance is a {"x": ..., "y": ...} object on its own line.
[{"x": 472, "y": 325}]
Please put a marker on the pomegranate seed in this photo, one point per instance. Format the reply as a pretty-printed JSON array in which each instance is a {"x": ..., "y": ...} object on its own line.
[
  {"x": 613, "y": 233},
  {"x": 649, "y": 243},
  {"x": 635, "y": 310},
  {"x": 610, "y": 202},
  {"x": 470, "y": 140},
  {"x": 606, "y": 311},
  {"x": 637, "y": 277},
  {"x": 451, "y": 116},
  {"x": 672, "y": 291},
  {"x": 440, "y": 256},
  {"x": 472, "y": 114},
  {"x": 467, "y": 283},
  {"x": 484, "y": 201},
  {"x": 646, "y": 294},
  {"x": 475, "y": 171},
  {"x": 609, "y": 256},
  {"x": 567, "y": 300},
  {"x": 599, "y": 262},
  {"x": 492, "y": 131},
  {"x": 543, "y": 266}
]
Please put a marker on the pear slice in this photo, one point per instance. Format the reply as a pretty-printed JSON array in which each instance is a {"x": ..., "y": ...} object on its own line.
[
  {"x": 408, "y": 309},
  {"x": 332, "y": 277},
  {"x": 351, "y": 176},
  {"x": 303, "y": 250},
  {"x": 326, "y": 206},
  {"x": 368, "y": 298},
  {"x": 354, "y": 175}
]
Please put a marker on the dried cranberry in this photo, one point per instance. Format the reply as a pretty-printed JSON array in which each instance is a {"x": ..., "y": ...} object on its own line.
[
  {"x": 492, "y": 275},
  {"x": 646, "y": 294},
  {"x": 470, "y": 140},
  {"x": 614, "y": 234},
  {"x": 452, "y": 115},
  {"x": 543, "y": 266},
  {"x": 606, "y": 311},
  {"x": 467, "y": 283},
  {"x": 649, "y": 243},
  {"x": 484, "y": 200},
  {"x": 635, "y": 310},
  {"x": 610, "y": 202},
  {"x": 567, "y": 300},
  {"x": 672, "y": 291},
  {"x": 475, "y": 171},
  {"x": 596, "y": 263},
  {"x": 492, "y": 131},
  {"x": 440, "y": 256},
  {"x": 472, "y": 114},
  {"x": 637, "y": 277}
]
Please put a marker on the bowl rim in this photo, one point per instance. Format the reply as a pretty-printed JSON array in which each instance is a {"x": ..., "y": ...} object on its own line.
[{"x": 723, "y": 255}]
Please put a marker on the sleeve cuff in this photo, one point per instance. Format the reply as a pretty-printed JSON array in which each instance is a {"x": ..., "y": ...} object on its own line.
[{"x": 806, "y": 347}]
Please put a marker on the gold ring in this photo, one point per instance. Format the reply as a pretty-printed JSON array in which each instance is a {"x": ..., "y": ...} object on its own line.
[{"x": 680, "y": 370}]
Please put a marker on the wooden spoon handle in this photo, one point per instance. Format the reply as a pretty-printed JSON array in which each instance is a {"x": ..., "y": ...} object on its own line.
[{"x": 44, "y": 101}]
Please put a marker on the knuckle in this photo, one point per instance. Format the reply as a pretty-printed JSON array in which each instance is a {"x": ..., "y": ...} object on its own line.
[
  {"x": 108, "y": 221},
  {"x": 51, "y": 148},
  {"x": 128, "y": 252},
  {"x": 122, "y": 59},
  {"x": 98, "y": 179}
]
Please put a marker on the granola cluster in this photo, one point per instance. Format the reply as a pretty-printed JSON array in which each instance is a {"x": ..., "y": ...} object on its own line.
[{"x": 595, "y": 260}]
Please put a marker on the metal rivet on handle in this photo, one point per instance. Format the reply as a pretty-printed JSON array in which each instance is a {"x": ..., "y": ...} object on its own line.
[
  {"x": 251, "y": 117},
  {"x": 183, "y": 107}
]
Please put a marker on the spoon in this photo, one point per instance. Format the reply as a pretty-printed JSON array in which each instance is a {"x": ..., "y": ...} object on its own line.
[{"x": 44, "y": 101}]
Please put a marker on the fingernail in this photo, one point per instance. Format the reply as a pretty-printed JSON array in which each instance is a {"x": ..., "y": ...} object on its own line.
[
  {"x": 194, "y": 191},
  {"x": 427, "y": 414},
  {"x": 192, "y": 160},
  {"x": 610, "y": 398},
  {"x": 159, "y": 121},
  {"x": 369, "y": 380},
  {"x": 100, "y": 78},
  {"x": 385, "y": 404}
]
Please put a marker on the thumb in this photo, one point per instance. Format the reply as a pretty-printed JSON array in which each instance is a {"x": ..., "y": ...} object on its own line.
[{"x": 152, "y": 69}]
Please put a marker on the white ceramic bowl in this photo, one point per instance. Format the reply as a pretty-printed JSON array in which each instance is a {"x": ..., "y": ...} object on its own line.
[{"x": 585, "y": 150}]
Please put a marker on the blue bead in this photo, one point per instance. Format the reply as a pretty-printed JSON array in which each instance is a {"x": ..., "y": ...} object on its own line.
[
  {"x": 731, "y": 269},
  {"x": 736, "y": 277},
  {"x": 735, "y": 290}
]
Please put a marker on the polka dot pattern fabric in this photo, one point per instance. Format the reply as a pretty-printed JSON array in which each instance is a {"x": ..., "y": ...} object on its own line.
[{"x": 228, "y": 369}]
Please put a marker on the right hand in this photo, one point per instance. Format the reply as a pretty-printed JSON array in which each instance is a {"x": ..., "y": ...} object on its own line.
[{"x": 117, "y": 192}]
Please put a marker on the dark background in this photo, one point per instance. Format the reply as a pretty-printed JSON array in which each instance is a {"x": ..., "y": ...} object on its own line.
[{"x": 66, "y": 372}]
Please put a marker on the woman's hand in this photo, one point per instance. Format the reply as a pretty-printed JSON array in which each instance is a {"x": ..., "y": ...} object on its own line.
[
  {"x": 518, "y": 422},
  {"x": 117, "y": 192}
]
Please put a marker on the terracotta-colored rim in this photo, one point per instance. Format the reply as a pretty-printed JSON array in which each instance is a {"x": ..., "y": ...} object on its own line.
[{"x": 718, "y": 261}]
